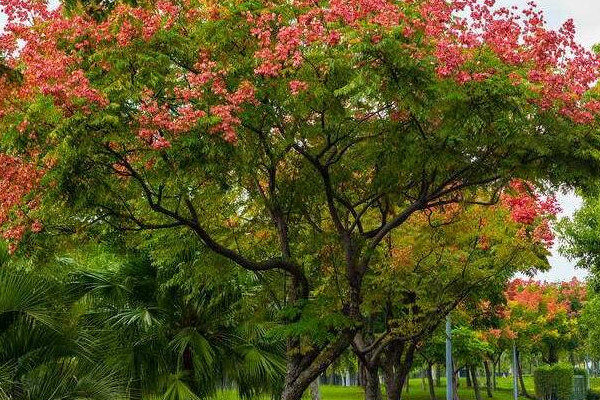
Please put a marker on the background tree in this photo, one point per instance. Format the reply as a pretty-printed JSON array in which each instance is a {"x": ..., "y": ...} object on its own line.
[{"x": 473, "y": 250}]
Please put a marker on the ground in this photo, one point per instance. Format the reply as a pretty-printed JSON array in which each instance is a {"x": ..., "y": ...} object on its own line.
[{"x": 416, "y": 391}]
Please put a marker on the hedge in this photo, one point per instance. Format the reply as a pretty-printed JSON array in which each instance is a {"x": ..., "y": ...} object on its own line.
[
  {"x": 582, "y": 372},
  {"x": 554, "y": 382}
]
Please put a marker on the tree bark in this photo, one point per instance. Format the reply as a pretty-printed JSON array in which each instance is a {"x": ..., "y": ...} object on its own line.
[
  {"x": 473, "y": 372},
  {"x": 469, "y": 383},
  {"x": 315, "y": 393},
  {"x": 521, "y": 380},
  {"x": 488, "y": 378},
  {"x": 494, "y": 372},
  {"x": 302, "y": 370},
  {"x": 399, "y": 371},
  {"x": 455, "y": 382},
  {"x": 430, "y": 382},
  {"x": 372, "y": 387}
]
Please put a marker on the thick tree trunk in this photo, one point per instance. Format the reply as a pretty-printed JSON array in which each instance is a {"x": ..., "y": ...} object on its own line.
[
  {"x": 302, "y": 370},
  {"x": 488, "y": 378},
  {"x": 402, "y": 365},
  {"x": 372, "y": 387},
  {"x": 473, "y": 372},
  {"x": 521, "y": 380},
  {"x": 315, "y": 393},
  {"x": 430, "y": 382}
]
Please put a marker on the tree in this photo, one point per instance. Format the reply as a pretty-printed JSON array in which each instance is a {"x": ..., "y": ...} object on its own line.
[
  {"x": 270, "y": 132},
  {"x": 580, "y": 236},
  {"x": 473, "y": 250},
  {"x": 44, "y": 350}
]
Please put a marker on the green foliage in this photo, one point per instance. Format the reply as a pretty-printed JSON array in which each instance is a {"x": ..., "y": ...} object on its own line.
[
  {"x": 578, "y": 371},
  {"x": 554, "y": 382},
  {"x": 593, "y": 395}
]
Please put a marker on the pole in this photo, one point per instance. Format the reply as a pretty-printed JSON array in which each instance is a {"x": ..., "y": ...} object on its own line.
[
  {"x": 515, "y": 373},
  {"x": 449, "y": 366}
]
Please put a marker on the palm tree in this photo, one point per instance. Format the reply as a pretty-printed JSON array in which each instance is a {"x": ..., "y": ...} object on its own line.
[
  {"x": 182, "y": 344},
  {"x": 43, "y": 355}
]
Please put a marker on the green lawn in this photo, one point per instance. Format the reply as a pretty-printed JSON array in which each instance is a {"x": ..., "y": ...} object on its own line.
[{"x": 415, "y": 391}]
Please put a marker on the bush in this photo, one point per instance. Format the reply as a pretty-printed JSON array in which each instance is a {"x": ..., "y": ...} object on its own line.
[
  {"x": 592, "y": 395},
  {"x": 554, "y": 382},
  {"x": 582, "y": 372}
]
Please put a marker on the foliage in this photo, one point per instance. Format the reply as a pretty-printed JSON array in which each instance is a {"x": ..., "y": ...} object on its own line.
[
  {"x": 554, "y": 382},
  {"x": 290, "y": 139},
  {"x": 113, "y": 328},
  {"x": 542, "y": 317}
]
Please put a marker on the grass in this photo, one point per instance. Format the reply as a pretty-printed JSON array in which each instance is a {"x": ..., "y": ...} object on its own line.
[{"x": 415, "y": 392}]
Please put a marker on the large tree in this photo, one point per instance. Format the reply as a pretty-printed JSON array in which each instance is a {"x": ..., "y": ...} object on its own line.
[{"x": 278, "y": 134}]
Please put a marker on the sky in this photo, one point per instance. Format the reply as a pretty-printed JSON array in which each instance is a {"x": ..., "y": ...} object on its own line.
[{"x": 585, "y": 15}]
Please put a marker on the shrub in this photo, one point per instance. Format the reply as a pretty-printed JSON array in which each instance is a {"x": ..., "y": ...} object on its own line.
[
  {"x": 554, "y": 382},
  {"x": 592, "y": 395},
  {"x": 578, "y": 371}
]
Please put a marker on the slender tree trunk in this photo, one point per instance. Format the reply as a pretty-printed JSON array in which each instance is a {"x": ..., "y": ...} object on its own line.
[
  {"x": 455, "y": 383},
  {"x": 469, "y": 382},
  {"x": 521, "y": 380},
  {"x": 494, "y": 372},
  {"x": 438, "y": 375},
  {"x": 315, "y": 393},
  {"x": 488, "y": 378},
  {"x": 473, "y": 372},
  {"x": 430, "y": 382}
]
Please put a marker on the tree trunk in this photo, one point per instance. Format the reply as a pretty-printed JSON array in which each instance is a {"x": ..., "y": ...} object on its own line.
[
  {"x": 315, "y": 393},
  {"x": 430, "y": 382},
  {"x": 521, "y": 380},
  {"x": 455, "y": 383},
  {"x": 372, "y": 386},
  {"x": 403, "y": 367},
  {"x": 494, "y": 372},
  {"x": 488, "y": 378},
  {"x": 552, "y": 355},
  {"x": 469, "y": 383},
  {"x": 473, "y": 372},
  {"x": 438, "y": 375},
  {"x": 397, "y": 363},
  {"x": 302, "y": 370}
]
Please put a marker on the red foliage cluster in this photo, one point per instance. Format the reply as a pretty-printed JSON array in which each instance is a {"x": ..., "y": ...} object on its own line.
[
  {"x": 17, "y": 180},
  {"x": 534, "y": 211},
  {"x": 556, "y": 69},
  {"x": 48, "y": 46},
  {"x": 535, "y": 302}
]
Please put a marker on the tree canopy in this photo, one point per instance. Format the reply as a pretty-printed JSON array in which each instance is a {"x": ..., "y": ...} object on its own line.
[{"x": 284, "y": 136}]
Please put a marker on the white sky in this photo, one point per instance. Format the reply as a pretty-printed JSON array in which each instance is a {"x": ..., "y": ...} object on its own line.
[{"x": 585, "y": 14}]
